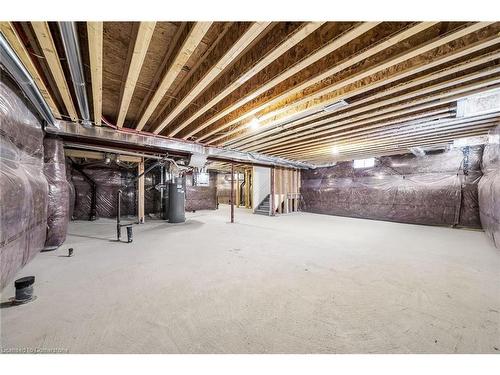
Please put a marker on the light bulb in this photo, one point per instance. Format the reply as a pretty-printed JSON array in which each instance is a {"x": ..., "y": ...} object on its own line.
[{"x": 254, "y": 124}]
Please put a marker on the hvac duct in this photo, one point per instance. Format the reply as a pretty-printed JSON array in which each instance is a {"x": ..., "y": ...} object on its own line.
[
  {"x": 12, "y": 65},
  {"x": 65, "y": 128},
  {"x": 71, "y": 46}
]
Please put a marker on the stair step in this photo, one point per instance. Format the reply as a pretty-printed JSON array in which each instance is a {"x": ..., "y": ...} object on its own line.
[{"x": 265, "y": 213}]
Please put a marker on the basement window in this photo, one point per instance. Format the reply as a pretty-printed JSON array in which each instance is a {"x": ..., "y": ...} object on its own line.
[{"x": 364, "y": 163}]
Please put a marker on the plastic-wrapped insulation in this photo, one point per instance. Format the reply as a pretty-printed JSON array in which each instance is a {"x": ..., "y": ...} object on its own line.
[
  {"x": 224, "y": 187},
  {"x": 23, "y": 186},
  {"x": 108, "y": 181},
  {"x": 431, "y": 189},
  {"x": 489, "y": 188},
  {"x": 58, "y": 213}
]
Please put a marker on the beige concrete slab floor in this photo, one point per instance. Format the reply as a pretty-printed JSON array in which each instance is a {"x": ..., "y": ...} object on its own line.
[{"x": 298, "y": 283}]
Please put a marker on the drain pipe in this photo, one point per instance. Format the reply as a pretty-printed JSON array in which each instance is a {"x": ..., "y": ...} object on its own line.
[
  {"x": 71, "y": 46},
  {"x": 12, "y": 65}
]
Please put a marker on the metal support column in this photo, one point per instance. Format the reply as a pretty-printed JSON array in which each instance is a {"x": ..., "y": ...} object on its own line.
[
  {"x": 271, "y": 203},
  {"x": 140, "y": 183},
  {"x": 232, "y": 193}
]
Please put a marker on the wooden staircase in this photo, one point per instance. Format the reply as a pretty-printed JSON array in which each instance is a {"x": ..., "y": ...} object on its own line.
[{"x": 263, "y": 207}]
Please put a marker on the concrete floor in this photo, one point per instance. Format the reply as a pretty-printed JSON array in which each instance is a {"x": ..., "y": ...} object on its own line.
[{"x": 300, "y": 283}]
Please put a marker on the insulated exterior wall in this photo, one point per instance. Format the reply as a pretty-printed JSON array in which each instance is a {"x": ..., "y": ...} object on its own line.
[
  {"x": 58, "y": 212},
  {"x": 431, "y": 189},
  {"x": 201, "y": 197},
  {"x": 108, "y": 181},
  {"x": 23, "y": 186},
  {"x": 224, "y": 188},
  {"x": 489, "y": 188},
  {"x": 152, "y": 196}
]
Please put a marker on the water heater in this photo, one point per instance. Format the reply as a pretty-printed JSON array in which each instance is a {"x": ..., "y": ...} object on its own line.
[{"x": 176, "y": 201}]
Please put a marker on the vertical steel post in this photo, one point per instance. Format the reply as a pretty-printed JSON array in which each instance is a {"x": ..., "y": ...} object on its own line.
[
  {"x": 271, "y": 203},
  {"x": 118, "y": 214},
  {"x": 140, "y": 188},
  {"x": 232, "y": 193}
]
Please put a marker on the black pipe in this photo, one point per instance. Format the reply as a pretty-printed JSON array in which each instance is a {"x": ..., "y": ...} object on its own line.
[{"x": 24, "y": 289}]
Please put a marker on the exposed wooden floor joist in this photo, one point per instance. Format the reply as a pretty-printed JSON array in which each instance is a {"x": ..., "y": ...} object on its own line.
[
  {"x": 10, "y": 33},
  {"x": 263, "y": 86},
  {"x": 243, "y": 42},
  {"x": 94, "y": 32},
  {"x": 141, "y": 45},
  {"x": 187, "y": 49},
  {"x": 368, "y": 72},
  {"x": 44, "y": 37}
]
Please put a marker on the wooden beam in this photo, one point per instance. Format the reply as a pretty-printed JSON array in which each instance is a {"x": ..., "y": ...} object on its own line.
[
  {"x": 403, "y": 147},
  {"x": 85, "y": 154},
  {"x": 346, "y": 63},
  {"x": 46, "y": 42},
  {"x": 141, "y": 46},
  {"x": 326, "y": 50},
  {"x": 231, "y": 55},
  {"x": 426, "y": 47},
  {"x": 344, "y": 91},
  {"x": 396, "y": 137},
  {"x": 325, "y": 125},
  {"x": 238, "y": 189},
  {"x": 371, "y": 126},
  {"x": 297, "y": 37},
  {"x": 95, "y": 37},
  {"x": 364, "y": 139},
  {"x": 10, "y": 33},
  {"x": 188, "y": 47}
]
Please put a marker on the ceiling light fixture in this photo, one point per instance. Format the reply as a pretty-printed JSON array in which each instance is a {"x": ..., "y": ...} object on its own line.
[
  {"x": 254, "y": 123},
  {"x": 335, "y": 150}
]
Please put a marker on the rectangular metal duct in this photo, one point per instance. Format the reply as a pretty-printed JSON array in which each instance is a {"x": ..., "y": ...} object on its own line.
[{"x": 70, "y": 129}]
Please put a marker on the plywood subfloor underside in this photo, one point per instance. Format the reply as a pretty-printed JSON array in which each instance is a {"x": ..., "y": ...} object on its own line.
[{"x": 300, "y": 283}]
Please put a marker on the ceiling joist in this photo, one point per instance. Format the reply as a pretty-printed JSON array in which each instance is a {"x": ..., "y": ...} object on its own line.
[
  {"x": 189, "y": 45},
  {"x": 44, "y": 37},
  {"x": 286, "y": 45},
  {"x": 94, "y": 32},
  {"x": 10, "y": 33},
  {"x": 323, "y": 52},
  {"x": 428, "y": 46},
  {"x": 269, "y": 87},
  {"x": 229, "y": 57},
  {"x": 141, "y": 45}
]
